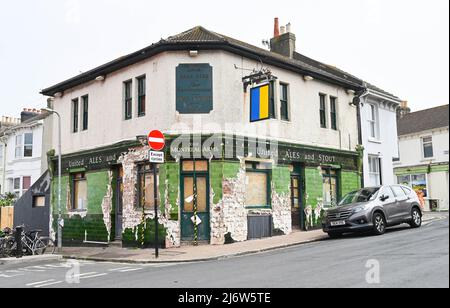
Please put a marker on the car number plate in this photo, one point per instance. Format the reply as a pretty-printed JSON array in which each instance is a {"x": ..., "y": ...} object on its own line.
[{"x": 338, "y": 223}]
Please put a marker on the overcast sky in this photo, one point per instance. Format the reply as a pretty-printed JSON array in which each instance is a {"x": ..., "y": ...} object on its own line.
[{"x": 401, "y": 46}]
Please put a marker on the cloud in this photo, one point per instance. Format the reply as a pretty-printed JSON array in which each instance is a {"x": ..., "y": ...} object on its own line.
[{"x": 72, "y": 12}]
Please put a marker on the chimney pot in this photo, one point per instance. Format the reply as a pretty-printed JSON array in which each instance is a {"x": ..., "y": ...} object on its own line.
[
  {"x": 288, "y": 28},
  {"x": 276, "y": 29},
  {"x": 283, "y": 30}
]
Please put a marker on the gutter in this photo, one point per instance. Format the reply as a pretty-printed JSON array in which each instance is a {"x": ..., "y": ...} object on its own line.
[{"x": 357, "y": 103}]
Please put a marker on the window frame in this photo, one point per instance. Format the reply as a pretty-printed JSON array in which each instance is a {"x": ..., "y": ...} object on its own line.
[
  {"x": 25, "y": 144},
  {"x": 18, "y": 146},
  {"x": 285, "y": 115},
  {"x": 378, "y": 166},
  {"x": 374, "y": 122},
  {"x": 85, "y": 113},
  {"x": 323, "y": 110},
  {"x": 334, "y": 112},
  {"x": 75, "y": 115},
  {"x": 425, "y": 143},
  {"x": 326, "y": 173},
  {"x": 73, "y": 181},
  {"x": 141, "y": 95},
  {"x": 128, "y": 99},
  {"x": 254, "y": 169},
  {"x": 141, "y": 174}
]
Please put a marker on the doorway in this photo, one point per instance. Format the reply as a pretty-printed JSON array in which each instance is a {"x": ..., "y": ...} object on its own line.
[
  {"x": 195, "y": 192},
  {"x": 297, "y": 207},
  {"x": 119, "y": 205}
]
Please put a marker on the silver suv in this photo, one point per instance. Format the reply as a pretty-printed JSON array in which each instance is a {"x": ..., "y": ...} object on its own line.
[{"x": 374, "y": 209}]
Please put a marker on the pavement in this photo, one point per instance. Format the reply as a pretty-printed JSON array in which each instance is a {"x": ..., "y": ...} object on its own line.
[
  {"x": 189, "y": 253},
  {"x": 403, "y": 257}
]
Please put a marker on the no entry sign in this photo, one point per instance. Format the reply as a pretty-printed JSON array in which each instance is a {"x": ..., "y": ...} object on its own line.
[{"x": 156, "y": 140}]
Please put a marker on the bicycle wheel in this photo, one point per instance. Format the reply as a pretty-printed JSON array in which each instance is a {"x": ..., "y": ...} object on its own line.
[{"x": 43, "y": 245}]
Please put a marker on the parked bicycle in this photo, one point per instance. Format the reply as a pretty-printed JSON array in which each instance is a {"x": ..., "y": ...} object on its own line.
[{"x": 32, "y": 244}]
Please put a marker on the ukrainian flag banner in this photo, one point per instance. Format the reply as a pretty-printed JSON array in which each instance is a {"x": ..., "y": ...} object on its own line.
[{"x": 259, "y": 103}]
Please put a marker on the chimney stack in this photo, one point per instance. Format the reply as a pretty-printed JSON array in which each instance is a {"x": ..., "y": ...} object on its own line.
[
  {"x": 276, "y": 29},
  {"x": 284, "y": 43},
  {"x": 403, "y": 110}
]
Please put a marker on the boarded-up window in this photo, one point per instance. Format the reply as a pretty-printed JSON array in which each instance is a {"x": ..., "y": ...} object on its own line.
[
  {"x": 189, "y": 194},
  {"x": 38, "y": 201},
  {"x": 79, "y": 201},
  {"x": 147, "y": 187},
  {"x": 257, "y": 192},
  {"x": 200, "y": 165}
]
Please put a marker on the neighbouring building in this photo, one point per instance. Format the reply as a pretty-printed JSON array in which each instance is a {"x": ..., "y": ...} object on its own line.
[
  {"x": 5, "y": 122},
  {"x": 25, "y": 168},
  {"x": 379, "y": 136},
  {"x": 215, "y": 98},
  {"x": 424, "y": 151}
]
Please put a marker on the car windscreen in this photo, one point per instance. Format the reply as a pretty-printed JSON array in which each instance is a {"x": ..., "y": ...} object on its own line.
[{"x": 363, "y": 195}]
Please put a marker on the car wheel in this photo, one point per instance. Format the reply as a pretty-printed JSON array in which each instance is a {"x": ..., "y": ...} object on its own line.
[
  {"x": 334, "y": 235},
  {"x": 416, "y": 220},
  {"x": 379, "y": 224}
]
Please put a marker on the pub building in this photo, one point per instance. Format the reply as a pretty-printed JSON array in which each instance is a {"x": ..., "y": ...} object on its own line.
[{"x": 215, "y": 186}]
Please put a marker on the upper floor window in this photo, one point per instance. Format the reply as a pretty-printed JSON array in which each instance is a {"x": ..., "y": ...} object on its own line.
[
  {"x": 19, "y": 146},
  {"x": 284, "y": 102},
  {"x": 427, "y": 144},
  {"x": 75, "y": 114},
  {"x": 28, "y": 145},
  {"x": 373, "y": 121},
  {"x": 333, "y": 112},
  {"x": 128, "y": 99},
  {"x": 141, "y": 81},
  {"x": 323, "y": 110},
  {"x": 85, "y": 101}
]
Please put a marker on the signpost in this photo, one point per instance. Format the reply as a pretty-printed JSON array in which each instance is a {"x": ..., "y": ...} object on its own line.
[{"x": 156, "y": 142}]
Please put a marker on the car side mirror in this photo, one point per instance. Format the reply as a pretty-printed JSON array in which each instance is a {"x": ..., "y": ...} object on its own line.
[{"x": 384, "y": 198}]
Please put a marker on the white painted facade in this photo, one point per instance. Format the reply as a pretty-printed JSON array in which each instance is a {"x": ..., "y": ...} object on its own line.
[
  {"x": 17, "y": 165},
  {"x": 434, "y": 169},
  {"x": 107, "y": 124},
  {"x": 2, "y": 169},
  {"x": 379, "y": 136}
]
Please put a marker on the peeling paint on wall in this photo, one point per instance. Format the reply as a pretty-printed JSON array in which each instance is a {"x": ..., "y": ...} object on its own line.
[{"x": 107, "y": 205}]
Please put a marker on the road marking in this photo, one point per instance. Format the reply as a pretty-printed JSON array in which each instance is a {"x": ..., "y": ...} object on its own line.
[
  {"x": 85, "y": 274},
  {"x": 94, "y": 276},
  {"x": 48, "y": 284},
  {"x": 39, "y": 282},
  {"x": 119, "y": 269},
  {"x": 130, "y": 270}
]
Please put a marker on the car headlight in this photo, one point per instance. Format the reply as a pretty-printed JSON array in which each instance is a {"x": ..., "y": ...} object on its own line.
[{"x": 358, "y": 209}]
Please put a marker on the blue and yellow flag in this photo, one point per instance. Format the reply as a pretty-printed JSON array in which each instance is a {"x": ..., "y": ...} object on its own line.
[{"x": 259, "y": 103}]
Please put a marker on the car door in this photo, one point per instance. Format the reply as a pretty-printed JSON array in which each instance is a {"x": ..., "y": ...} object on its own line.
[
  {"x": 404, "y": 204},
  {"x": 389, "y": 203}
]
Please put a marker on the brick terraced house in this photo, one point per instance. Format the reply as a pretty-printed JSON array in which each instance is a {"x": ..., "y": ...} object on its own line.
[{"x": 212, "y": 96}]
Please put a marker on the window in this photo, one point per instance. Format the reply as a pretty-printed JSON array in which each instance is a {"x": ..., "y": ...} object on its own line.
[
  {"x": 374, "y": 171},
  {"x": 16, "y": 186},
  {"x": 333, "y": 112},
  {"x": 323, "y": 110},
  {"x": 79, "y": 196},
  {"x": 141, "y": 96},
  {"x": 398, "y": 191},
  {"x": 128, "y": 96},
  {"x": 428, "y": 151},
  {"x": 146, "y": 187},
  {"x": 418, "y": 182},
  {"x": 38, "y": 201},
  {"x": 26, "y": 184},
  {"x": 330, "y": 187},
  {"x": 202, "y": 184},
  {"x": 284, "y": 102},
  {"x": 28, "y": 145},
  {"x": 258, "y": 192},
  {"x": 373, "y": 122},
  {"x": 85, "y": 101},
  {"x": 19, "y": 146},
  {"x": 387, "y": 192},
  {"x": 75, "y": 114}
]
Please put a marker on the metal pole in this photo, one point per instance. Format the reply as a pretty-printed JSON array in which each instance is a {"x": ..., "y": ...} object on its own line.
[
  {"x": 59, "y": 184},
  {"x": 155, "y": 193}
]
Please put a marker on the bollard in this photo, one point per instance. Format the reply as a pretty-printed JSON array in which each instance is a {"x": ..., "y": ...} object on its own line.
[{"x": 18, "y": 238}]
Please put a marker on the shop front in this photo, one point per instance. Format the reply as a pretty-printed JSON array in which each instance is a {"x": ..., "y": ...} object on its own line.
[{"x": 210, "y": 190}]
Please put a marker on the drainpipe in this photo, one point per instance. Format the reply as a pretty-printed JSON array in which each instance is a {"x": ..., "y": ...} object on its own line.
[{"x": 357, "y": 102}]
